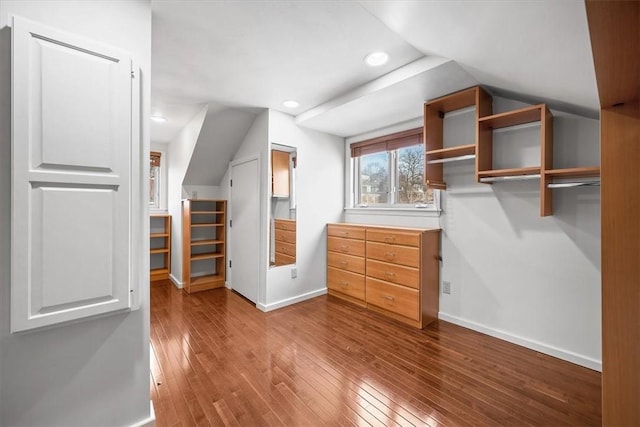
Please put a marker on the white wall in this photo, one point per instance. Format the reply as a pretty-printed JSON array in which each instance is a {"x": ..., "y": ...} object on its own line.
[
  {"x": 94, "y": 372},
  {"x": 201, "y": 191},
  {"x": 319, "y": 201},
  {"x": 180, "y": 151},
  {"x": 163, "y": 149},
  {"x": 515, "y": 275},
  {"x": 255, "y": 144}
]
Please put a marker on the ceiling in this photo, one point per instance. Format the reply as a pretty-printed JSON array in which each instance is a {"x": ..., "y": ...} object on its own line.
[{"x": 251, "y": 55}]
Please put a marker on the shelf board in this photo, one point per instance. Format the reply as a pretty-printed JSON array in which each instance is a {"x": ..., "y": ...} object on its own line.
[
  {"x": 513, "y": 118},
  {"x": 509, "y": 172},
  {"x": 200, "y": 257},
  {"x": 208, "y": 225},
  {"x": 454, "y": 101},
  {"x": 201, "y": 280},
  {"x": 160, "y": 251},
  {"x": 445, "y": 153},
  {"x": 573, "y": 172},
  {"x": 436, "y": 185},
  {"x": 159, "y": 270},
  {"x": 206, "y": 242},
  {"x": 160, "y": 215},
  {"x": 154, "y": 235},
  {"x": 206, "y": 212}
]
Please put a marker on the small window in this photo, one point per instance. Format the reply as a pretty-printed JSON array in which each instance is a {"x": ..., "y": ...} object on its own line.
[
  {"x": 389, "y": 172},
  {"x": 154, "y": 180}
]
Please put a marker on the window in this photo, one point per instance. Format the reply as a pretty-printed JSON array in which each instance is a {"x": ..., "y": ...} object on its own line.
[
  {"x": 154, "y": 180},
  {"x": 389, "y": 172}
]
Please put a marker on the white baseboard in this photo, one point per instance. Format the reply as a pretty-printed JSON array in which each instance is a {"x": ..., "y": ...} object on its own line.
[
  {"x": 176, "y": 282},
  {"x": 292, "y": 300},
  {"x": 569, "y": 356},
  {"x": 150, "y": 421}
]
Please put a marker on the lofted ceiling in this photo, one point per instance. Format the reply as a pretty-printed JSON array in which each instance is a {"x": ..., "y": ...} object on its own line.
[{"x": 250, "y": 55}]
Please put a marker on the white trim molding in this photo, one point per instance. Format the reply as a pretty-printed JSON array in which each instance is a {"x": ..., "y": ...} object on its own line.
[
  {"x": 569, "y": 356},
  {"x": 292, "y": 300},
  {"x": 150, "y": 421},
  {"x": 178, "y": 284}
]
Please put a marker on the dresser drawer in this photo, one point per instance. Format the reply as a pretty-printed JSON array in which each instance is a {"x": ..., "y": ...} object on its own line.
[
  {"x": 286, "y": 248},
  {"x": 345, "y": 262},
  {"x": 346, "y": 246},
  {"x": 284, "y": 236},
  {"x": 345, "y": 282},
  {"x": 396, "y": 254},
  {"x": 283, "y": 259},
  {"x": 397, "y": 299},
  {"x": 401, "y": 275},
  {"x": 394, "y": 237},
  {"x": 350, "y": 232},
  {"x": 284, "y": 224}
]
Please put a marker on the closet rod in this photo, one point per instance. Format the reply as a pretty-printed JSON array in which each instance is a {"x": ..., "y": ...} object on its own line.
[
  {"x": 509, "y": 178},
  {"x": 451, "y": 159},
  {"x": 574, "y": 184}
]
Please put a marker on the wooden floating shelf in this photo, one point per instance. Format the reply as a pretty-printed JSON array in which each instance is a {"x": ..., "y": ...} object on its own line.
[
  {"x": 454, "y": 101},
  {"x": 200, "y": 257},
  {"x": 160, "y": 251},
  {"x": 155, "y": 235},
  {"x": 206, "y": 242},
  {"x": 510, "y": 172},
  {"x": 436, "y": 185},
  {"x": 207, "y": 225},
  {"x": 446, "y": 153},
  {"x": 513, "y": 118},
  {"x": 587, "y": 172},
  {"x": 160, "y": 270}
]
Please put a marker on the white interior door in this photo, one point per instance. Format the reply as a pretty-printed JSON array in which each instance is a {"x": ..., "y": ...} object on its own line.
[
  {"x": 71, "y": 187},
  {"x": 245, "y": 230}
]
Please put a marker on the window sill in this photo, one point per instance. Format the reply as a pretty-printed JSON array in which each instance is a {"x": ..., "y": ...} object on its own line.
[{"x": 423, "y": 212}]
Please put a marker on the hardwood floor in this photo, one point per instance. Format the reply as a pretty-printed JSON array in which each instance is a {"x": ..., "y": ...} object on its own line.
[{"x": 217, "y": 360}]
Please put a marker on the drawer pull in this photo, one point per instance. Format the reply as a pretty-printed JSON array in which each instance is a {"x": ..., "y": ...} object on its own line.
[
  {"x": 344, "y": 284},
  {"x": 343, "y": 263},
  {"x": 389, "y": 274},
  {"x": 344, "y": 233},
  {"x": 388, "y": 297},
  {"x": 389, "y": 255},
  {"x": 344, "y": 248},
  {"x": 390, "y": 239}
]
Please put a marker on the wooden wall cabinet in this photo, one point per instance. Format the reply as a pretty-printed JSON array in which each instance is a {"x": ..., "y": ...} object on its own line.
[
  {"x": 204, "y": 244},
  {"x": 393, "y": 271},
  {"x": 285, "y": 241},
  {"x": 160, "y": 247},
  {"x": 280, "y": 176}
]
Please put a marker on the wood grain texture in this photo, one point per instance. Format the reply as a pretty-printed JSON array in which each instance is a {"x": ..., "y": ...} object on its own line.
[
  {"x": 217, "y": 360},
  {"x": 620, "y": 192}
]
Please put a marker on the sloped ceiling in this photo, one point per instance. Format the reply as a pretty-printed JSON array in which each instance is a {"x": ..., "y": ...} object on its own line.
[
  {"x": 221, "y": 135},
  {"x": 249, "y": 55}
]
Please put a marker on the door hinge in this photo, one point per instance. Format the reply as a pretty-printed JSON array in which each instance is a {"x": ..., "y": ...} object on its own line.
[
  {"x": 133, "y": 74},
  {"x": 230, "y": 263},
  {"x": 231, "y": 183},
  {"x": 230, "y": 223}
]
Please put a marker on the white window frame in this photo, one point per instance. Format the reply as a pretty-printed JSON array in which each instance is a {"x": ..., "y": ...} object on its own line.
[{"x": 392, "y": 195}]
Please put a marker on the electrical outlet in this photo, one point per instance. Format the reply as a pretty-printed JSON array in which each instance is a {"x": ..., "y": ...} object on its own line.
[
  {"x": 294, "y": 272},
  {"x": 446, "y": 287}
]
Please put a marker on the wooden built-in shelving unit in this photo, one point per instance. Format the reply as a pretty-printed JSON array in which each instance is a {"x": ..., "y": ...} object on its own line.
[
  {"x": 483, "y": 150},
  {"x": 204, "y": 244},
  {"x": 159, "y": 246}
]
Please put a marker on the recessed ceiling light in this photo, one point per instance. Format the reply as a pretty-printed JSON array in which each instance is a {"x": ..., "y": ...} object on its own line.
[
  {"x": 159, "y": 119},
  {"x": 375, "y": 59},
  {"x": 291, "y": 103}
]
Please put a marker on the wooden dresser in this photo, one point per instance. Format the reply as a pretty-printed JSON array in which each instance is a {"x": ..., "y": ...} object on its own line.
[
  {"x": 285, "y": 241},
  {"x": 390, "y": 270}
]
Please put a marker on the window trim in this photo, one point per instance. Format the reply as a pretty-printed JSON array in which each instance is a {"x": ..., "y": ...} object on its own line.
[{"x": 389, "y": 143}]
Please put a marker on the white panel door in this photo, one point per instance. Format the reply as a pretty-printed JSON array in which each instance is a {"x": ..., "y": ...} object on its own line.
[
  {"x": 245, "y": 233},
  {"x": 71, "y": 158}
]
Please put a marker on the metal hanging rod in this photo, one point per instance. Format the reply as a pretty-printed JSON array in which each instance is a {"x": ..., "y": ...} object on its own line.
[
  {"x": 452, "y": 159},
  {"x": 509, "y": 178},
  {"x": 569, "y": 184}
]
